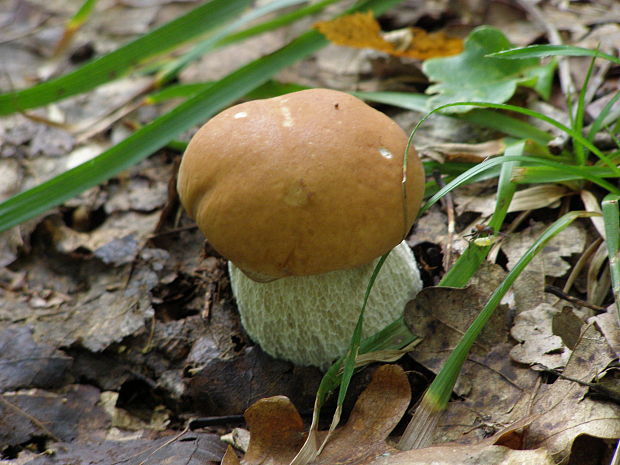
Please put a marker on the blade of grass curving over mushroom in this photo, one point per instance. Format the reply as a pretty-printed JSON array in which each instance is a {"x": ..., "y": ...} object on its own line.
[
  {"x": 158, "y": 133},
  {"x": 435, "y": 400},
  {"x": 576, "y": 136},
  {"x": 611, "y": 218},
  {"x": 540, "y": 51},
  {"x": 101, "y": 70},
  {"x": 490, "y": 119}
]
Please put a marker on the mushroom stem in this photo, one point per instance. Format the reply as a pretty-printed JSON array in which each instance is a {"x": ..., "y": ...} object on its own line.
[{"x": 309, "y": 320}]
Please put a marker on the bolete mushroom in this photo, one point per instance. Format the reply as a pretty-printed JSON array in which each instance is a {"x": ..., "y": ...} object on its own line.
[{"x": 303, "y": 193}]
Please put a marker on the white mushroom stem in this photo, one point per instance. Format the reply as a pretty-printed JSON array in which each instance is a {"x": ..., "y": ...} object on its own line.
[{"x": 309, "y": 320}]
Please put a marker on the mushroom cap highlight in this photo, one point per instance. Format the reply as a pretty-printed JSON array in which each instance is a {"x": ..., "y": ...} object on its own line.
[{"x": 301, "y": 184}]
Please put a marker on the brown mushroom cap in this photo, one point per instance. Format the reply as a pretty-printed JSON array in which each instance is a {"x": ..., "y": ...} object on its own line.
[{"x": 304, "y": 183}]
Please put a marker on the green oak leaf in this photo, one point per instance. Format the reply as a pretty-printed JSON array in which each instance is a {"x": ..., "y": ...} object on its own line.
[{"x": 472, "y": 76}]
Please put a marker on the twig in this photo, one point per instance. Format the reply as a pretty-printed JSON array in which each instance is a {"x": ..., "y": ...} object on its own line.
[
  {"x": 32, "y": 419},
  {"x": 556, "y": 291},
  {"x": 448, "y": 204}
]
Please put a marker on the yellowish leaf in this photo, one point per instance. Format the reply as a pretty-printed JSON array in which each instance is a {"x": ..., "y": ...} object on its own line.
[{"x": 361, "y": 30}]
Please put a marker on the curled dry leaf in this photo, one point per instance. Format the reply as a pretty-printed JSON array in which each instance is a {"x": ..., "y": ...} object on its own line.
[
  {"x": 361, "y": 30},
  {"x": 538, "y": 344},
  {"x": 565, "y": 412},
  {"x": 463, "y": 152},
  {"x": 277, "y": 431}
]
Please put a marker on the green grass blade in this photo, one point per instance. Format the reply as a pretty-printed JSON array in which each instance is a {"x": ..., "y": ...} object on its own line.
[
  {"x": 82, "y": 15},
  {"x": 551, "y": 174},
  {"x": 468, "y": 263},
  {"x": 438, "y": 394},
  {"x": 580, "y": 153},
  {"x": 539, "y": 51},
  {"x": 269, "y": 89},
  {"x": 111, "y": 66},
  {"x": 170, "y": 70},
  {"x": 155, "y": 135},
  {"x": 490, "y": 119},
  {"x": 611, "y": 218},
  {"x": 598, "y": 123},
  {"x": 281, "y": 20},
  {"x": 577, "y": 137}
]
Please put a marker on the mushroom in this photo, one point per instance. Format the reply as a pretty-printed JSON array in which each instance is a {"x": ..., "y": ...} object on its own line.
[{"x": 302, "y": 193}]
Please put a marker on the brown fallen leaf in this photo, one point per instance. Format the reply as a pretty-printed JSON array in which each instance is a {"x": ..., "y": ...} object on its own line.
[
  {"x": 565, "y": 412},
  {"x": 361, "y": 30},
  {"x": 276, "y": 433}
]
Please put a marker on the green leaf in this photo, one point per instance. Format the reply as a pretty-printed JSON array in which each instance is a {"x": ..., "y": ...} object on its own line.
[
  {"x": 541, "y": 78},
  {"x": 611, "y": 217},
  {"x": 473, "y": 76}
]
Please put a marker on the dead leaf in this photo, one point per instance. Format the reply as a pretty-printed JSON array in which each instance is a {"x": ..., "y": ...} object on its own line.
[
  {"x": 26, "y": 364},
  {"x": 565, "y": 411},
  {"x": 441, "y": 315},
  {"x": 538, "y": 344},
  {"x": 226, "y": 387},
  {"x": 462, "y": 152},
  {"x": 277, "y": 431},
  {"x": 192, "y": 448},
  {"x": 362, "y": 441},
  {"x": 361, "y": 30},
  {"x": 610, "y": 328},
  {"x": 66, "y": 415},
  {"x": 377, "y": 411},
  {"x": 531, "y": 198},
  {"x": 466, "y": 455}
]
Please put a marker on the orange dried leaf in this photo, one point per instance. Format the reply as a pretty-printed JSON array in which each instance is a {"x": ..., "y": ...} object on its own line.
[
  {"x": 277, "y": 431},
  {"x": 424, "y": 45},
  {"x": 361, "y": 30}
]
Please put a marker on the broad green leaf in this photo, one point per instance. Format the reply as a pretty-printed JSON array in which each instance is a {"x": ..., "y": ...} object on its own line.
[{"x": 473, "y": 76}]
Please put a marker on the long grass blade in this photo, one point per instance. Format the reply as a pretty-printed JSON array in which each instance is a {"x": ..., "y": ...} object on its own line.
[
  {"x": 438, "y": 394},
  {"x": 155, "y": 135},
  {"x": 113, "y": 65},
  {"x": 539, "y": 51},
  {"x": 490, "y": 119},
  {"x": 468, "y": 263},
  {"x": 171, "y": 70},
  {"x": 611, "y": 218}
]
